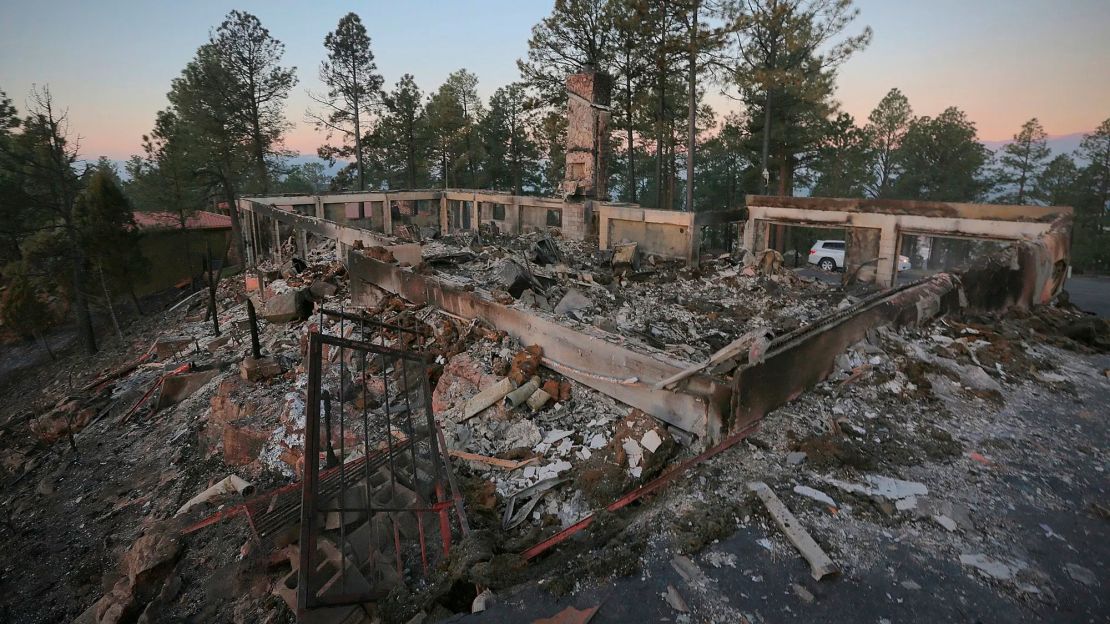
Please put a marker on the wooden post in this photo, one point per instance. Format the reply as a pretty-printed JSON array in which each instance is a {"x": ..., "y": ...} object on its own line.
[{"x": 252, "y": 317}]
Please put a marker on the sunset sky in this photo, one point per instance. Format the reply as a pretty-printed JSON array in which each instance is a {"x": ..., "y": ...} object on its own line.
[{"x": 111, "y": 62}]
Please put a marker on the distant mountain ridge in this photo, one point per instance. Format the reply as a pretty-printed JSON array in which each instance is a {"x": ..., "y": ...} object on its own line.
[{"x": 1060, "y": 144}]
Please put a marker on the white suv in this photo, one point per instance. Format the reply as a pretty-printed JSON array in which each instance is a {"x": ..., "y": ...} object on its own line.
[{"x": 827, "y": 254}]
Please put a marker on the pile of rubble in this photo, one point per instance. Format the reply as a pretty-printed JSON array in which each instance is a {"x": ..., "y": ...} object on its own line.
[
  {"x": 204, "y": 436},
  {"x": 645, "y": 300}
]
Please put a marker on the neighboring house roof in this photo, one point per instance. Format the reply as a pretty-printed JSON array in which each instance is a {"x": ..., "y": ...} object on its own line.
[{"x": 199, "y": 220}]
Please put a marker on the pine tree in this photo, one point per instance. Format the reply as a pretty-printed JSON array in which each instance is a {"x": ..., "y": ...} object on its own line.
[
  {"x": 577, "y": 34},
  {"x": 454, "y": 112},
  {"x": 886, "y": 127},
  {"x": 1057, "y": 182},
  {"x": 786, "y": 57},
  {"x": 22, "y": 307},
  {"x": 110, "y": 238},
  {"x": 1021, "y": 162},
  {"x": 404, "y": 132},
  {"x": 254, "y": 86},
  {"x": 843, "y": 159},
  {"x": 511, "y": 155},
  {"x": 45, "y": 156},
  {"x": 941, "y": 159},
  {"x": 354, "y": 88}
]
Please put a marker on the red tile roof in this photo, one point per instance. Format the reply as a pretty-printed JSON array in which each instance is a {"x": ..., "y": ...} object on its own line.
[{"x": 199, "y": 220}]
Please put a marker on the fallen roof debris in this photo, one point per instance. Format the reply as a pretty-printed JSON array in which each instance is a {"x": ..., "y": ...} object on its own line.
[{"x": 542, "y": 443}]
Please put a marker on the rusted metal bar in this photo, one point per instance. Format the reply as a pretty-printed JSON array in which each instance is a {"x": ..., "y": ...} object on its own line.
[
  {"x": 655, "y": 485},
  {"x": 305, "y": 598},
  {"x": 330, "y": 496}
]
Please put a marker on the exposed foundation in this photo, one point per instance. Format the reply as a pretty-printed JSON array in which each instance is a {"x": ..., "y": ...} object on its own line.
[{"x": 1028, "y": 272}]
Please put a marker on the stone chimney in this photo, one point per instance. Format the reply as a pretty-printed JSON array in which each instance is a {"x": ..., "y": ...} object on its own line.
[{"x": 587, "y": 127}]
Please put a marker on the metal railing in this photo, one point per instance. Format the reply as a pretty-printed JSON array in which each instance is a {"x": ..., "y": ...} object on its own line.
[{"x": 378, "y": 513}]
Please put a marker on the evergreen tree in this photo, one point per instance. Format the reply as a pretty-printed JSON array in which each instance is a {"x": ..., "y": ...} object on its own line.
[
  {"x": 630, "y": 40},
  {"x": 44, "y": 159},
  {"x": 786, "y": 56},
  {"x": 725, "y": 169},
  {"x": 941, "y": 160},
  {"x": 886, "y": 127},
  {"x": 511, "y": 155},
  {"x": 354, "y": 87},
  {"x": 577, "y": 34},
  {"x": 218, "y": 160},
  {"x": 309, "y": 178},
  {"x": 454, "y": 112},
  {"x": 1091, "y": 249},
  {"x": 22, "y": 306},
  {"x": 110, "y": 237},
  {"x": 1095, "y": 151},
  {"x": 15, "y": 218},
  {"x": 404, "y": 134},
  {"x": 843, "y": 160},
  {"x": 551, "y": 137},
  {"x": 1021, "y": 162},
  {"x": 1057, "y": 183},
  {"x": 253, "y": 86}
]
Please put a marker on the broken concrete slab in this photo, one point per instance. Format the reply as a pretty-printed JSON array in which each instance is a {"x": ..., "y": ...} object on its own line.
[
  {"x": 573, "y": 302},
  {"x": 177, "y": 388},
  {"x": 216, "y": 344},
  {"x": 320, "y": 290},
  {"x": 253, "y": 369},
  {"x": 1081, "y": 574},
  {"x": 948, "y": 523},
  {"x": 993, "y": 567},
  {"x": 286, "y": 307},
  {"x": 795, "y": 458},
  {"x": 169, "y": 346},
  {"x": 881, "y": 487},
  {"x": 816, "y": 495},
  {"x": 626, "y": 257},
  {"x": 675, "y": 600}
]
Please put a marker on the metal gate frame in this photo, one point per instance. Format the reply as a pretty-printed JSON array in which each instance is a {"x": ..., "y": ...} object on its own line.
[{"x": 335, "y": 479}]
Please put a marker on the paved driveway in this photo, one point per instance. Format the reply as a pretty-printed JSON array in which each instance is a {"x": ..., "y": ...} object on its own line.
[{"x": 1091, "y": 293}]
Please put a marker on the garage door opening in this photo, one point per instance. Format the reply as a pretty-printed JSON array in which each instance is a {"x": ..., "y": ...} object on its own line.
[
  {"x": 816, "y": 251},
  {"x": 921, "y": 255}
]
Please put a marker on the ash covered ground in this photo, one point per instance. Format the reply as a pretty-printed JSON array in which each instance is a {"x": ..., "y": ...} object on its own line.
[{"x": 953, "y": 472}]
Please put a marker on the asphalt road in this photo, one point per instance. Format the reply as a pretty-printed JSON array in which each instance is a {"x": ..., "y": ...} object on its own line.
[{"x": 1091, "y": 293}]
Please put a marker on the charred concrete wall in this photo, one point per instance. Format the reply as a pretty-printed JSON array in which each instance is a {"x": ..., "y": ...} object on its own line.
[
  {"x": 893, "y": 218},
  {"x": 665, "y": 233},
  {"x": 1029, "y": 272}
]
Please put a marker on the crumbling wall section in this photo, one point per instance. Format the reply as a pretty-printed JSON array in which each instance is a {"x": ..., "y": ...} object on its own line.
[
  {"x": 588, "y": 358},
  {"x": 896, "y": 217},
  {"x": 587, "y": 128},
  {"x": 666, "y": 233},
  {"x": 1023, "y": 275},
  {"x": 798, "y": 360}
]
